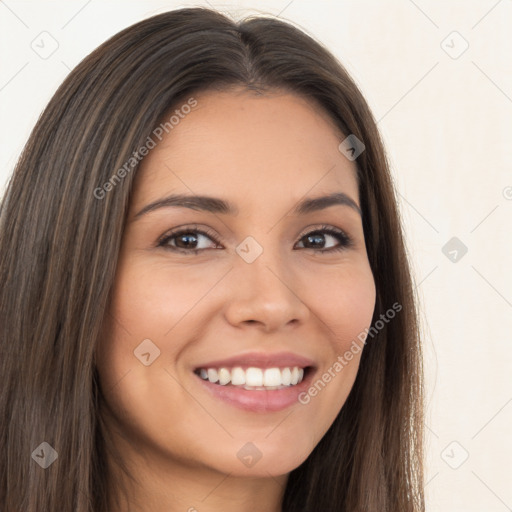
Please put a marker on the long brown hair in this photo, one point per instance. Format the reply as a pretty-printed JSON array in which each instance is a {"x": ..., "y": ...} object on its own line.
[{"x": 59, "y": 244}]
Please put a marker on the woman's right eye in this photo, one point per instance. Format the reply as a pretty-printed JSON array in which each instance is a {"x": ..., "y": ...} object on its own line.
[{"x": 186, "y": 237}]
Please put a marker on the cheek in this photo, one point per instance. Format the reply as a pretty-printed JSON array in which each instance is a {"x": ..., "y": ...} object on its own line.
[
  {"x": 345, "y": 301},
  {"x": 151, "y": 299},
  {"x": 150, "y": 302},
  {"x": 146, "y": 304},
  {"x": 345, "y": 309}
]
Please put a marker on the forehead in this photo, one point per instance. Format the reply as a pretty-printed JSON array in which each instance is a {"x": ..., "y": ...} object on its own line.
[{"x": 250, "y": 147}]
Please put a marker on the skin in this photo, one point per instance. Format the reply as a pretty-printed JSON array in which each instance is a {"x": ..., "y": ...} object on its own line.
[{"x": 264, "y": 154}]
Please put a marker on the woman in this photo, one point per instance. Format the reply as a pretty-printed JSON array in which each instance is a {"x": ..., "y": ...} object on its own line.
[{"x": 206, "y": 301}]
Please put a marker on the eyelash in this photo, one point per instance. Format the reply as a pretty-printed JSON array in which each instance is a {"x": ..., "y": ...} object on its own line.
[{"x": 346, "y": 242}]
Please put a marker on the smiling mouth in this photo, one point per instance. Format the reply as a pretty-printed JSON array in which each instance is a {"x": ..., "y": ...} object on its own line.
[{"x": 254, "y": 378}]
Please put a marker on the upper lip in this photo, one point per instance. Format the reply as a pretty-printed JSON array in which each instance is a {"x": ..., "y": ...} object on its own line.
[{"x": 260, "y": 360}]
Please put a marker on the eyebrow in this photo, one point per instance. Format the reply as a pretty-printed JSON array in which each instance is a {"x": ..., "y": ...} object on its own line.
[{"x": 222, "y": 206}]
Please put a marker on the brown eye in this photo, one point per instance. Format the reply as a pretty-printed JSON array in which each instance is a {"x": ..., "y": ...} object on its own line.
[
  {"x": 317, "y": 238},
  {"x": 186, "y": 240}
]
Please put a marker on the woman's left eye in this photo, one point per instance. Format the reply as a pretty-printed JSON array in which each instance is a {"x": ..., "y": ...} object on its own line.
[
  {"x": 320, "y": 234},
  {"x": 185, "y": 238}
]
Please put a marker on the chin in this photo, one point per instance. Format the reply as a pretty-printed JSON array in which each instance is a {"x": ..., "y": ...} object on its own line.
[{"x": 250, "y": 461}]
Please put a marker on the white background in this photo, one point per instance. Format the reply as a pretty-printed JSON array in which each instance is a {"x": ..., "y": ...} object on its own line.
[{"x": 446, "y": 120}]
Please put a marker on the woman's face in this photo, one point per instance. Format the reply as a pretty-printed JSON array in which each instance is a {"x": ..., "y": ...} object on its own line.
[{"x": 266, "y": 284}]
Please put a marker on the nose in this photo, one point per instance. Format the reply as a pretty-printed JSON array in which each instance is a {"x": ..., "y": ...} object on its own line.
[{"x": 263, "y": 293}]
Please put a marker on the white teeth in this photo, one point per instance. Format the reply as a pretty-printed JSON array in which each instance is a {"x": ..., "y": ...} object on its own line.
[
  {"x": 286, "y": 376},
  {"x": 212, "y": 375},
  {"x": 254, "y": 378},
  {"x": 272, "y": 377},
  {"x": 237, "y": 377},
  {"x": 224, "y": 376}
]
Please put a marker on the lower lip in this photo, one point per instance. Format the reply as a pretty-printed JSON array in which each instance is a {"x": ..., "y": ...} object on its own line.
[{"x": 259, "y": 401}]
